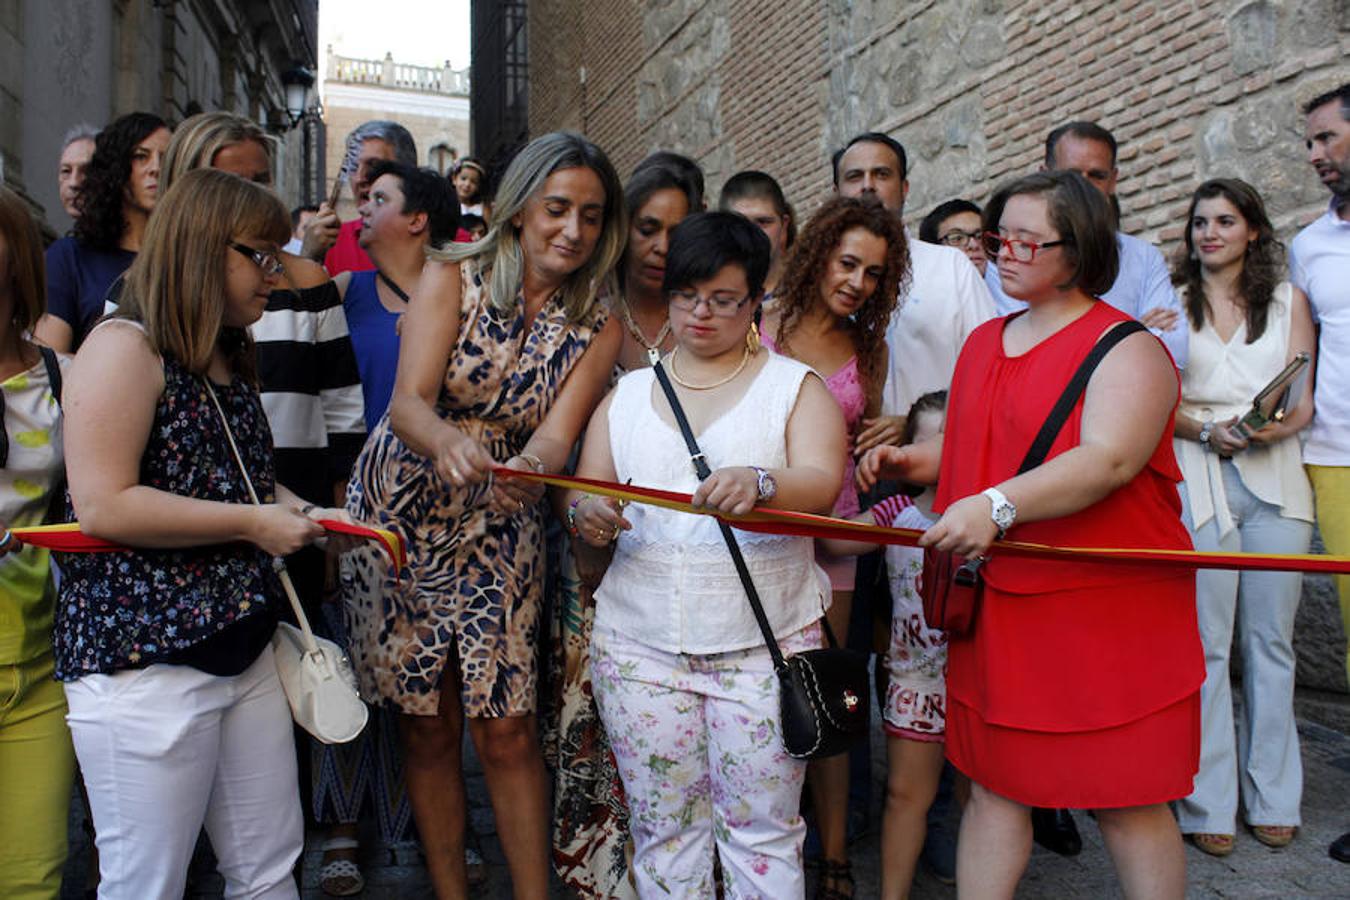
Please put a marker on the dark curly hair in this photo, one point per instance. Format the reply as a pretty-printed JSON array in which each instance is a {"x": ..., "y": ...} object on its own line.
[
  {"x": 102, "y": 219},
  {"x": 800, "y": 287},
  {"x": 1262, "y": 268}
]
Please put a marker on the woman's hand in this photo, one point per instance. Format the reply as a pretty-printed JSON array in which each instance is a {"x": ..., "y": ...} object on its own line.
[
  {"x": 1270, "y": 433},
  {"x": 8, "y": 542},
  {"x": 733, "y": 490},
  {"x": 591, "y": 561},
  {"x": 879, "y": 431},
  {"x": 1226, "y": 440},
  {"x": 461, "y": 460},
  {"x": 281, "y": 530},
  {"x": 512, "y": 495},
  {"x": 966, "y": 528},
  {"x": 599, "y": 520},
  {"x": 882, "y": 464}
]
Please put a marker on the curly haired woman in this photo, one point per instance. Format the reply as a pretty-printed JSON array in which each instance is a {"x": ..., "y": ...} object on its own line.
[
  {"x": 833, "y": 304},
  {"x": 119, "y": 192}
]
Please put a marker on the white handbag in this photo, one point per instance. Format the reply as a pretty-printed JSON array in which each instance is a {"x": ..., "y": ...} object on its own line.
[{"x": 315, "y": 674}]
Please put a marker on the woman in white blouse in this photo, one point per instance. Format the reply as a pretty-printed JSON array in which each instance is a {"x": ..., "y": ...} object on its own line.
[
  {"x": 683, "y": 681},
  {"x": 1247, "y": 491}
]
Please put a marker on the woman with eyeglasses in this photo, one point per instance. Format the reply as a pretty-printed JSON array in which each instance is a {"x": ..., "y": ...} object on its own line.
[
  {"x": 1079, "y": 684},
  {"x": 37, "y": 761},
  {"x": 684, "y": 683},
  {"x": 834, "y": 303},
  {"x": 957, "y": 223},
  {"x": 590, "y": 834},
  {"x": 177, "y": 713},
  {"x": 1245, "y": 490}
]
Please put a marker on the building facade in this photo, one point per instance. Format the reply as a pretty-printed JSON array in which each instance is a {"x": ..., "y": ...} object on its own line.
[
  {"x": 90, "y": 61},
  {"x": 971, "y": 87},
  {"x": 432, "y": 102}
]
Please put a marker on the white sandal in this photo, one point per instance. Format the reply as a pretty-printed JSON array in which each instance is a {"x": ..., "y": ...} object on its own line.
[{"x": 341, "y": 877}]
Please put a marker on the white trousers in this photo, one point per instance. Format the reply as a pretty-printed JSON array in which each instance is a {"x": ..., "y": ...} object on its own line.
[
  {"x": 167, "y": 749},
  {"x": 1260, "y": 756},
  {"x": 700, "y": 754}
]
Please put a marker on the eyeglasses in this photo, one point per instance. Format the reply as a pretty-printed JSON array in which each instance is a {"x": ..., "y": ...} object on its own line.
[
  {"x": 268, "y": 262},
  {"x": 688, "y": 301},
  {"x": 958, "y": 238},
  {"x": 1022, "y": 251}
]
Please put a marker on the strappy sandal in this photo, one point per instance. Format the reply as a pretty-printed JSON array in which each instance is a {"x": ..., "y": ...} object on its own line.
[
  {"x": 833, "y": 874},
  {"x": 1213, "y": 844},
  {"x": 340, "y": 877},
  {"x": 1276, "y": 836}
]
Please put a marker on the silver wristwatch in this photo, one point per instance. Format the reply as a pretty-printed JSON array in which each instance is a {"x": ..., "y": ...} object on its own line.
[
  {"x": 1003, "y": 513},
  {"x": 765, "y": 486},
  {"x": 1206, "y": 429}
]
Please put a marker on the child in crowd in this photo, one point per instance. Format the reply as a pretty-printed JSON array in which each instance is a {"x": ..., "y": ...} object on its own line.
[{"x": 914, "y": 708}]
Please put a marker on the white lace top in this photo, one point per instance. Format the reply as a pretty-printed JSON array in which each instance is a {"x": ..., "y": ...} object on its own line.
[{"x": 671, "y": 584}]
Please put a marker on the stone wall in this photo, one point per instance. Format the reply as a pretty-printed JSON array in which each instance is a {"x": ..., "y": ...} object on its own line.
[
  {"x": 969, "y": 86},
  {"x": 1191, "y": 90},
  {"x": 73, "y": 61}
]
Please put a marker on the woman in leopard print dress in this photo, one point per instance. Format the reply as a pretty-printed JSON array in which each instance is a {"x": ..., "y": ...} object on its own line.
[{"x": 505, "y": 353}]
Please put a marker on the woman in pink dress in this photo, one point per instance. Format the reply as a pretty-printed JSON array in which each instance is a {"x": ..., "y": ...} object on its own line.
[{"x": 836, "y": 297}]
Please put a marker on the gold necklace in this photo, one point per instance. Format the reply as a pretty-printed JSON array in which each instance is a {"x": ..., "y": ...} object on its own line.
[
  {"x": 745, "y": 358},
  {"x": 653, "y": 348}
]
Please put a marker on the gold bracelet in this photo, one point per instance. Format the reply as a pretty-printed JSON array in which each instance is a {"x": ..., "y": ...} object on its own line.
[{"x": 535, "y": 462}]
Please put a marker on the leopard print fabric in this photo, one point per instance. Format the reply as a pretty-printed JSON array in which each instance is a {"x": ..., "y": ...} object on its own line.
[{"x": 474, "y": 580}]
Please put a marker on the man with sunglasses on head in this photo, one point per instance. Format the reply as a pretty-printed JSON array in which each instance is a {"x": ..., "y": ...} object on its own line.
[{"x": 1143, "y": 288}]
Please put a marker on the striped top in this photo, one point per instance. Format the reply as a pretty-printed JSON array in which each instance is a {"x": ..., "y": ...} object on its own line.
[{"x": 311, "y": 389}]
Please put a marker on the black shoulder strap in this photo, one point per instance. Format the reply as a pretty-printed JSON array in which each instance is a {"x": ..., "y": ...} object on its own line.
[
  {"x": 701, "y": 468},
  {"x": 1059, "y": 414},
  {"x": 53, "y": 366}
]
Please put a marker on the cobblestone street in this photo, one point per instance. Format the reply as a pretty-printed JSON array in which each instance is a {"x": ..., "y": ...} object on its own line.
[{"x": 1302, "y": 870}]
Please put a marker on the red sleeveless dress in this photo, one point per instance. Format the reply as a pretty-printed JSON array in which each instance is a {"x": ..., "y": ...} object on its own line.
[{"x": 1079, "y": 685}]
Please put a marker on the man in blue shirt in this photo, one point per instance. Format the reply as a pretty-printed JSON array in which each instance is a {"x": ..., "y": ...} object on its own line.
[{"x": 1143, "y": 288}]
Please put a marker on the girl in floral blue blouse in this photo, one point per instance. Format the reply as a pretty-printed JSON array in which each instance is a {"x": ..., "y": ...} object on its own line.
[{"x": 175, "y": 708}]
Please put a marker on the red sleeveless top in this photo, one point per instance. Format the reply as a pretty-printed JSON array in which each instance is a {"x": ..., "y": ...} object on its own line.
[{"x": 1065, "y": 646}]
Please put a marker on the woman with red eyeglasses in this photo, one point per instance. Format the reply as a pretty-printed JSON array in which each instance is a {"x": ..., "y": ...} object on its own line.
[{"x": 1078, "y": 686}]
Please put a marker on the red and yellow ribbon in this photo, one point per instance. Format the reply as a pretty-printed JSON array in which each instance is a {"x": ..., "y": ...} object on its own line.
[
  {"x": 775, "y": 521},
  {"x": 69, "y": 539}
]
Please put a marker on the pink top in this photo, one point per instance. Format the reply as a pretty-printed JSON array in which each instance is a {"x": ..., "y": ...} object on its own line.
[{"x": 846, "y": 387}]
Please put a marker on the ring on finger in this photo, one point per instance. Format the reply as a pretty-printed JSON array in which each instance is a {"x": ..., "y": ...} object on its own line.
[{"x": 615, "y": 535}]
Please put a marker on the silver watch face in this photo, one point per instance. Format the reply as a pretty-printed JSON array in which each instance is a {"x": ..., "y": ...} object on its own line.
[
  {"x": 767, "y": 486},
  {"x": 1003, "y": 514}
]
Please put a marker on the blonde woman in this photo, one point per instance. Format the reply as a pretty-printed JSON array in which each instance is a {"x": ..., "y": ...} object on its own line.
[
  {"x": 505, "y": 351},
  {"x": 175, "y": 708}
]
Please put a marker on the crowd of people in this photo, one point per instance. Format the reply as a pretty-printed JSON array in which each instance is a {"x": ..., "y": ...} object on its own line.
[{"x": 199, "y": 377}]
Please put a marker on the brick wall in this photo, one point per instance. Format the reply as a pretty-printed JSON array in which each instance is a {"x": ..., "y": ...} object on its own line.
[
  {"x": 970, "y": 87},
  {"x": 1191, "y": 90}
]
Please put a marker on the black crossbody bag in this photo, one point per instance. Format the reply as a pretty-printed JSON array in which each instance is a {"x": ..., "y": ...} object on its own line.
[{"x": 823, "y": 694}]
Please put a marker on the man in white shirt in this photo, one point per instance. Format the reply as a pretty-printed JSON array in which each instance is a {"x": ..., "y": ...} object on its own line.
[
  {"x": 1143, "y": 288},
  {"x": 1320, "y": 267},
  {"x": 943, "y": 303}
]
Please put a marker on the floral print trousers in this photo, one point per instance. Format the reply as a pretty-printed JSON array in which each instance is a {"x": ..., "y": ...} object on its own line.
[{"x": 701, "y": 758}]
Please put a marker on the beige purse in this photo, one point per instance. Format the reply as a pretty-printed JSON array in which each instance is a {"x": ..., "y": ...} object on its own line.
[{"x": 315, "y": 674}]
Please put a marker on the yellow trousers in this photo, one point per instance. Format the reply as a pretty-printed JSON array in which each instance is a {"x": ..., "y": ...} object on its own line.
[
  {"x": 37, "y": 764},
  {"x": 1331, "y": 486}
]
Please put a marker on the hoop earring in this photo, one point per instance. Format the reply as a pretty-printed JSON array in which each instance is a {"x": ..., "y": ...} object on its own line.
[{"x": 752, "y": 342}]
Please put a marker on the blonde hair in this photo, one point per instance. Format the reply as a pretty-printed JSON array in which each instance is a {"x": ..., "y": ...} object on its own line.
[
  {"x": 499, "y": 250},
  {"x": 176, "y": 287},
  {"x": 196, "y": 142},
  {"x": 27, "y": 265}
]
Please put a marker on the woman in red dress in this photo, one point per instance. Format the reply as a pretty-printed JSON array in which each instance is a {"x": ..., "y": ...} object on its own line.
[{"x": 1079, "y": 685}]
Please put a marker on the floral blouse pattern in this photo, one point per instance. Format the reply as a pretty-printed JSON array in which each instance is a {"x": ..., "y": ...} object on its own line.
[{"x": 128, "y": 609}]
